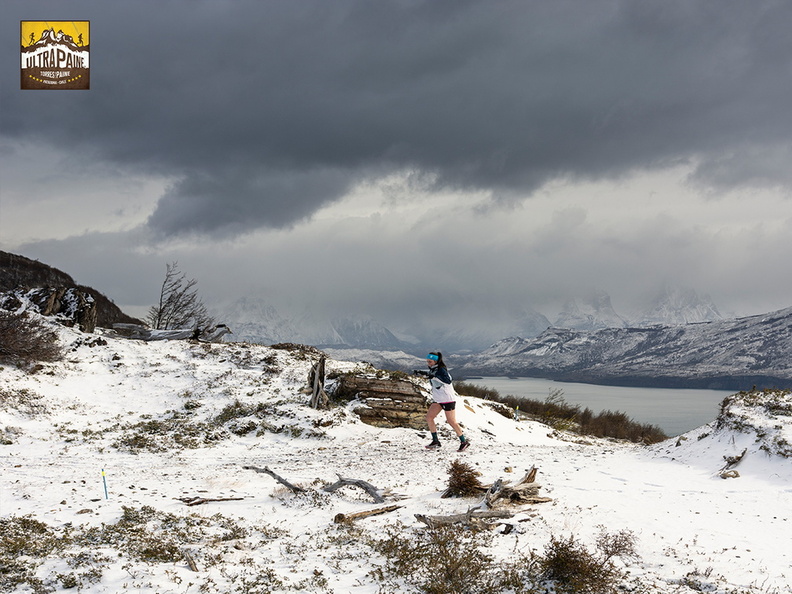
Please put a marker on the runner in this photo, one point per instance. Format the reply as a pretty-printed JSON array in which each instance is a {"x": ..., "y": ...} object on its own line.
[{"x": 444, "y": 399}]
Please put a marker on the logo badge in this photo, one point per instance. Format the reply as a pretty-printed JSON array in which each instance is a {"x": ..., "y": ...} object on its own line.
[{"x": 55, "y": 54}]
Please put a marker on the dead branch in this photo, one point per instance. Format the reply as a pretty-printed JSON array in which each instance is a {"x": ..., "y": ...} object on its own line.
[
  {"x": 367, "y": 487},
  {"x": 471, "y": 517},
  {"x": 493, "y": 493},
  {"x": 531, "y": 476},
  {"x": 190, "y": 560},
  {"x": 523, "y": 491},
  {"x": 732, "y": 461},
  {"x": 281, "y": 480},
  {"x": 348, "y": 518},
  {"x": 190, "y": 501}
]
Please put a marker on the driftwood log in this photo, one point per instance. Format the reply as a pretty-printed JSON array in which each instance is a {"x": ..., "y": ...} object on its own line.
[
  {"x": 526, "y": 490},
  {"x": 190, "y": 501},
  {"x": 367, "y": 487},
  {"x": 348, "y": 518},
  {"x": 470, "y": 518},
  {"x": 732, "y": 461},
  {"x": 281, "y": 480}
]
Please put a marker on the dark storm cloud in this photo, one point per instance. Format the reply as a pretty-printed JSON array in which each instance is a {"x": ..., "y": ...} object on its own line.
[
  {"x": 230, "y": 200},
  {"x": 265, "y": 111}
]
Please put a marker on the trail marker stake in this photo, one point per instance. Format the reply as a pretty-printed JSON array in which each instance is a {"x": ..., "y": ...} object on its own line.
[{"x": 104, "y": 481}]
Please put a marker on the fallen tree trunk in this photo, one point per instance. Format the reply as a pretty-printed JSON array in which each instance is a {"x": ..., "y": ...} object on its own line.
[
  {"x": 471, "y": 517},
  {"x": 348, "y": 518},
  {"x": 190, "y": 501}
]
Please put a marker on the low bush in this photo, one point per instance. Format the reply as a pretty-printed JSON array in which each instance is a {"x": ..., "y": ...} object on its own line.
[
  {"x": 22, "y": 400},
  {"x": 467, "y": 389},
  {"x": 442, "y": 561},
  {"x": 24, "y": 542},
  {"x": 619, "y": 425},
  {"x": 238, "y": 409},
  {"x": 25, "y": 339},
  {"x": 462, "y": 480},
  {"x": 575, "y": 570}
]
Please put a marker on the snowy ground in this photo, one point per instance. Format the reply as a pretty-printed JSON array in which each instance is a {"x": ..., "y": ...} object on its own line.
[{"x": 147, "y": 414}]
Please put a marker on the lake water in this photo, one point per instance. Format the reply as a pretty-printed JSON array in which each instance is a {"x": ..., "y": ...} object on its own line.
[{"x": 675, "y": 411}]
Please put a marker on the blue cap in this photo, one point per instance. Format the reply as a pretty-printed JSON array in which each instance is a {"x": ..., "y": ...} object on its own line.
[{"x": 433, "y": 357}]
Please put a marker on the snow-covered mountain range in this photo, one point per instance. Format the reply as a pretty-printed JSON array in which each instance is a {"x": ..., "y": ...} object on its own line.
[
  {"x": 466, "y": 329},
  {"x": 680, "y": 340},
  {"x": 670, "y": 306},
  {"x": 254, "y": 320},
  {"x": 727, "y": 354}
]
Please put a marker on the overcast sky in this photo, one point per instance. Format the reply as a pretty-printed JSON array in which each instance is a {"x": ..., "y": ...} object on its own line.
[{"x": 391, "y": 157}]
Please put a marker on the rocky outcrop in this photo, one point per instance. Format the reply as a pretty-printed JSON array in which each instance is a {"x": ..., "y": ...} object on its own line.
[
  {"x": 383, "y": 402},
  {"x": 70, "y": 306},
  {"x": 18, "y": 273}
]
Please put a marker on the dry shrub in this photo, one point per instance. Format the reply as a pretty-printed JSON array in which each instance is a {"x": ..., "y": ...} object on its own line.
[
  {"x": 618, "y": 425},
  {"x": 447, "y": 560},
  {"x": 576, "y": 570},
  {"x": 462, "y": 480},
  {"x": 23, "y": 400},
  {"x": 25, "y": 339},
  {"x": 468, "y": 389},
  {"x": 24, "y": 541}
]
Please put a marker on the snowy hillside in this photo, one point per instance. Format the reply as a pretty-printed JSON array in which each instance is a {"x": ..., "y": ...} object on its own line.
[
  {"x": 174, "y": 423},
  {"x": 730, "y": 354}
]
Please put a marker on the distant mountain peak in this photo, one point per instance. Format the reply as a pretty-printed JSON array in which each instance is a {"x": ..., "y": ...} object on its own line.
[
  {"x": 589, "y": 312},
  {"x": 674, "y": 305}
]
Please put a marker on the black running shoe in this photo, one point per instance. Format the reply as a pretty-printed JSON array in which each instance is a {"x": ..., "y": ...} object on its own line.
[
  {"x": 435, "y": 445},
  {"x": 463, "y": 446}
]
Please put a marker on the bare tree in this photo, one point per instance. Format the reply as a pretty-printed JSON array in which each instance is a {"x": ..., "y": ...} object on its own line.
[{"x": 179, "y": 305}]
